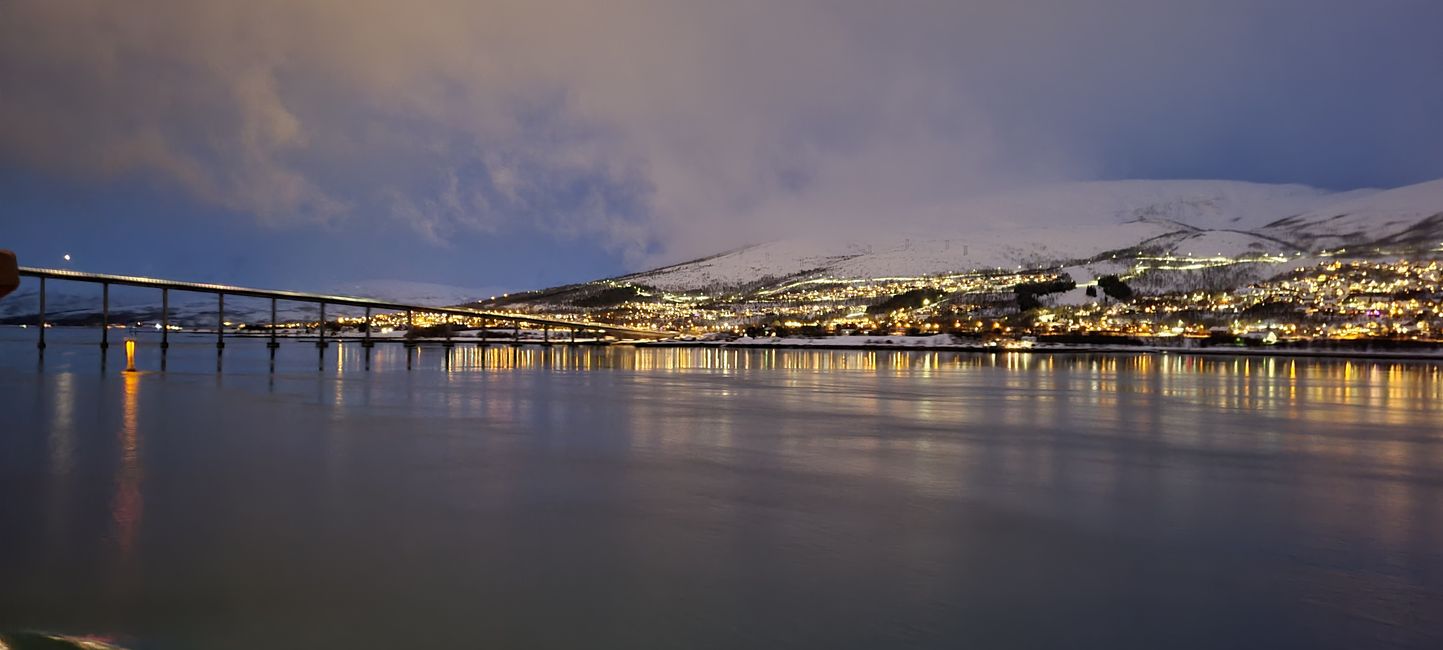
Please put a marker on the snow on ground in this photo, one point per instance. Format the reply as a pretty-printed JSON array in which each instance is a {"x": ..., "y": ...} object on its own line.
[
  {"x": 1362, "y": 217},
  {"x": 416, "y": 293},
  {"x": 908, "y": 255},
  {"x": 1226, "y": 243},
  {"x": 1403, "y": 203},
  {"x": 1070, "y": 222},
  {"x": 919, "y": 254},
  {"x": 1208, "y": 204}
]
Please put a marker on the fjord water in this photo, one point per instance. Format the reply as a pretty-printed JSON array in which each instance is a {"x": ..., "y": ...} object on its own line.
[{"x": 667, "y": 498}]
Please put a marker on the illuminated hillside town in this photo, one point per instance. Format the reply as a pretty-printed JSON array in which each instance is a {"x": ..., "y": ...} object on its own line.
[{"x": 1166, "y": 300}]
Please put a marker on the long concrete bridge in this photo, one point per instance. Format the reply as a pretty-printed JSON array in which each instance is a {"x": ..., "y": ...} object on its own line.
[{"x": 547, "y": 325}]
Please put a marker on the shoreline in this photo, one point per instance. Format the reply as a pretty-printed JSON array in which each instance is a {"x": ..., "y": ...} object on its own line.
[
  {"x": 919, "y": 344},
  {"x": 1435, "y": 355}
]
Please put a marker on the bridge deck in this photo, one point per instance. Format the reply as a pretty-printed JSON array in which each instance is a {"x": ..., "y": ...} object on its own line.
[{"x": 347, "y": 301}]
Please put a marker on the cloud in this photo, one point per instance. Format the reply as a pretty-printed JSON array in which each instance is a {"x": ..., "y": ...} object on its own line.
[{"x": 665, "y": 129}]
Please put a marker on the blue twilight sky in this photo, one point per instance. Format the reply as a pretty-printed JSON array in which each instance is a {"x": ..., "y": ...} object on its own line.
[{"x": 525, "y": 143}]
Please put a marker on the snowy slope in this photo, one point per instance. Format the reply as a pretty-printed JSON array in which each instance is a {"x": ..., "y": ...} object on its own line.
[
  {"x": 1411, "y": 215},
  {"x": 417, "y": 293},
  {"x": 1072, "y": 222},
  {"x": 1202, "y": 204}
]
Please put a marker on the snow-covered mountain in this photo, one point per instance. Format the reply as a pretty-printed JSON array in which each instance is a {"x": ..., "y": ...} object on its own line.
[
  {"x": 1074, "y": 223},
  {"x": 414, "y": 293},
  {"x": 1402, "y": 217}
]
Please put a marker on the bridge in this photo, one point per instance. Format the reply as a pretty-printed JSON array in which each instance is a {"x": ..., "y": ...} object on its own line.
[{"x": 546, "y": 324}]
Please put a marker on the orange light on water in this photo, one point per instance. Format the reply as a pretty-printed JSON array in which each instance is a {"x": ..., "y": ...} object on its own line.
[{"x": 130, "y": 355}]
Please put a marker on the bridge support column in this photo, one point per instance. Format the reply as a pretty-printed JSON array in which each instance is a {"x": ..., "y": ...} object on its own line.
[
  {"x": 41, "y": 343},
  {"x": 321, "y": 331},
  {"x": 164, "y": 319},
  {"x": 220, "y": 322},
  {"x": 164, "y": 326},
  {"x": 516, "y": 332},
  {"x": 410, "y": 342},
  {"x": 273, "y": 345},
  {"x": 219, "y": 331},
  {"x": 367, "y": 343},
  {"x": 448, "y": 344},
  {"x": 104, "y": 316},
  {"x": 321, "y": 342},
  {"x": 546, "y": 334}
]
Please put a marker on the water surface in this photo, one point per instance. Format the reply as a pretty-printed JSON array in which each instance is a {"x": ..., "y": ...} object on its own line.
[{"x": 625, "y": 498}]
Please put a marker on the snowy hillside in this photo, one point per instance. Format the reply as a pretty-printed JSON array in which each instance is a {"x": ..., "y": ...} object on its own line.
[
  {"x": 1405, "y": 216},
  {"x": 1197, "y": 203},
  {"x": 417, "y": 293},
  {"x": 1075, "y": 222}
]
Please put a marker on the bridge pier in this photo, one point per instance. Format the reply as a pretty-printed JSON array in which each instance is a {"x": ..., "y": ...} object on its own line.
[
  {"x": 273, "y": 345},
  {"x": 321, "y": 341},
  {"x": 164, "y": 319},
  {"x": 321, "y": 331},
  {"x": 164, "y": 326},
  {"x": 219, "y": 331},
  {"x": 41, "y": 343},
  {"x": 220, "y": 322},
  {"x": 104, "y": 316},
  {"x": 367, "y": 342}
]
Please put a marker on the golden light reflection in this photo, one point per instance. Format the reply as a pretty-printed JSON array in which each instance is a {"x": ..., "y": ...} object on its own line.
[
  {"x": 1344, "y": 392},
  {"x": 125, "y": 510}
]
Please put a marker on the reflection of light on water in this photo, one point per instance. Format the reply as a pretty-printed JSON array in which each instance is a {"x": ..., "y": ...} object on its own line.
[
  {"x": 125, "y": 510},
  {"x": 62, "y": 431},
  {"x": 61, "y": 457}
]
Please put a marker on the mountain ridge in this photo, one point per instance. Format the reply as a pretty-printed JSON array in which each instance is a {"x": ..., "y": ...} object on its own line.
[{"x": 1183, "y": 217}]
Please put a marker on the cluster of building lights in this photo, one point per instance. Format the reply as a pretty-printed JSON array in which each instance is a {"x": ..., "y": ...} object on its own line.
[{"x": 1331, "y": 299}]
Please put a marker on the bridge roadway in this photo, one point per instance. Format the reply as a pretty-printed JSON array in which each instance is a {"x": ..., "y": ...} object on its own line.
[{"x": 222, "y": 290}]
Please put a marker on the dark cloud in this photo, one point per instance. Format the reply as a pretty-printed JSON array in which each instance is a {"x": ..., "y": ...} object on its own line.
[{"x": 664, "y": 129}]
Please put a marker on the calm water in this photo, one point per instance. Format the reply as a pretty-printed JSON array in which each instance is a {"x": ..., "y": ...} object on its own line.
[{"x": 621, "y": 498}]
